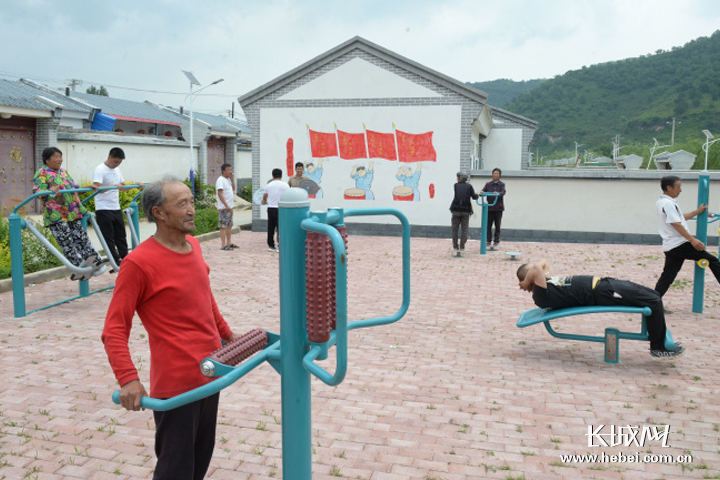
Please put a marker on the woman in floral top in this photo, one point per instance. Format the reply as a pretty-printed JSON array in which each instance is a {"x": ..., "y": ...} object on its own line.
[{"x": 63, "y": 212}]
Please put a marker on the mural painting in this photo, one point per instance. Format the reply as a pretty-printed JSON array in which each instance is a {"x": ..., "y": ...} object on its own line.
[{"x": 370, "y": 144}]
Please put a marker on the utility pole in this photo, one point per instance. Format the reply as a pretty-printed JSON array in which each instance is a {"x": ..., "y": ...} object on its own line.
[
  {"x": 74, "y": 83},
  {"x": 672, "y": 137}
]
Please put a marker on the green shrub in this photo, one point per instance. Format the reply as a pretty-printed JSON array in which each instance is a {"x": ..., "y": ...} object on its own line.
[
  {"x": 35, "y": 256},
  {"x": 206, "y": 220},
  {"x": 246, "y": 193},
  {"x": 204, "y": 194}
]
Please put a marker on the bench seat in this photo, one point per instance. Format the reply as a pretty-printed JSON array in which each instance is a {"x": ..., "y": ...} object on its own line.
[{"x": 612, "y": 335}]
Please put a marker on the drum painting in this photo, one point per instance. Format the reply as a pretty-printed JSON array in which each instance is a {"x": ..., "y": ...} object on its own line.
[
  {"x": 309, "y": 186},
  {"x": 354, "y": 194},
  {"x": 403, "y": 193}
]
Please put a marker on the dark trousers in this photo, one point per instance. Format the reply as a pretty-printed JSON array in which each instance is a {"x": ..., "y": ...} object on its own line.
[
  {"x": 494, "y": 218},
  {"x": 273, "y": 225},
  {"x": 611, "y": 292},
  {"x": 674, "y": 260},
  {"x": 73, "y": 240},
  {"x": 112, "y": 226},
  {"x": 185, "y": 439},
  {"x": 460, "y": 222}
]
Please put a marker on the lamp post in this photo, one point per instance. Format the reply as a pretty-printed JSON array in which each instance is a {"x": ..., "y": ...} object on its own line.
[
  {"x": 708, "y": 136},
  {"x": 191, "y": 97}
]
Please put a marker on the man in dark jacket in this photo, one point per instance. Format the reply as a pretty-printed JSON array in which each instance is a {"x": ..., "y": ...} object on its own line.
[
  {"x": 461, "y": 208},
  {"x": 495, "y": 211}
]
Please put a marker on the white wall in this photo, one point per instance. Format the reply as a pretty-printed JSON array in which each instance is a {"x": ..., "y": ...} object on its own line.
[
  {"x": 620, "y": 205},
  {"x": 143, "y": 162},
  {"x": 280, "y": 124},
  {"x": 243, "y": 164},
  {"x": 502, "y": 149}
]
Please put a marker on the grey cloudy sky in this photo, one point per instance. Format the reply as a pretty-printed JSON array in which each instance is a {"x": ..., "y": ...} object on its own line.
[{"x": 137, "y": 49}]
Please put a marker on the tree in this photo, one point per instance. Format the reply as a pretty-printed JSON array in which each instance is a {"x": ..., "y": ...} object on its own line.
[{"x": 97, "y": 91}]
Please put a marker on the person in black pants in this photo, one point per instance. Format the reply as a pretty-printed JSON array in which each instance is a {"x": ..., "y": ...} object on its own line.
[
  {"x": 495, "y": 211},
  {"x": 586, "y": 290},
  {"x": 678, "y": 244},
  {"x": 273, "y": 191},
  {"x": 107, "y": 204},
  {"x": 461, "y": 208}
]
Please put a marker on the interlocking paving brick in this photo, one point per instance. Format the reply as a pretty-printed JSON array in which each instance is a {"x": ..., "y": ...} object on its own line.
[{"x": 452, "y": 391}]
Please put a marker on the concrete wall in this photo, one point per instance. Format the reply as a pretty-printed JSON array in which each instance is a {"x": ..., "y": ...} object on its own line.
[
  {"x": 503, "y": 149},
  {"x": 608, "y": 206},
  {"x": 144, "y": 162},
  {"x": 147, "y": 158}
]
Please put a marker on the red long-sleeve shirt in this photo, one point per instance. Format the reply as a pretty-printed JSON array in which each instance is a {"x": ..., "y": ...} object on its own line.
[{"x": 171, "y": 293}]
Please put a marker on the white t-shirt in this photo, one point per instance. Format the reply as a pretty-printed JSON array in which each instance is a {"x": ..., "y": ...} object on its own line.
[
  {"x": 274, "y": 190},
  {"x": 224, "y": 184},
  {"x": 107, "y": 199},
  {"x": 669, "y": 212}
]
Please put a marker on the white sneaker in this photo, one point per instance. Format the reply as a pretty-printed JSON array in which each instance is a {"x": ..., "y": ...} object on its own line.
[{"x": 274, "y": 250}]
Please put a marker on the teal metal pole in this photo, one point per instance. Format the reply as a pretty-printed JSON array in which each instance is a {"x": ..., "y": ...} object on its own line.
[
  {"x": 16, "y": 264},
  {"x": 701, "y": 234},
  {"x": 294, "y": 207},
  {"x": 135, "y": 220},
  {"x": 483, "y": 228}
]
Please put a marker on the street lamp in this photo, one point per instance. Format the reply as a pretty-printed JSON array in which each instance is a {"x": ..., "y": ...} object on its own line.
[
  {"x": 708, "y": 136},
  {"x": 191, "y": 96}
]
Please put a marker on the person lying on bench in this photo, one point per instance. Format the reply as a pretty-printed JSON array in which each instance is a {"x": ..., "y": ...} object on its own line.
[{"x": 585, "y": 290}]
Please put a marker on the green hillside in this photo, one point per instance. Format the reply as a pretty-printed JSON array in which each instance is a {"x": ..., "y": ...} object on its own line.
[
  {"x": 503, "y": 91},
  {"x": 636, "y": 98}
]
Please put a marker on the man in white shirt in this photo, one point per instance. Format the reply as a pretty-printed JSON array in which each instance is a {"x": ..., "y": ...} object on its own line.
[
  {"x": 107, "y": 204},
  {"x": 225, "y": 193},
  {"x": 678, "y": 244},
  {"x": 273, "y": 191}
]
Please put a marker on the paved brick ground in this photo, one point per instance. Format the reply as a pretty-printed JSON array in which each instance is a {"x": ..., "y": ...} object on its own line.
[{"x": 452, "y": 391}]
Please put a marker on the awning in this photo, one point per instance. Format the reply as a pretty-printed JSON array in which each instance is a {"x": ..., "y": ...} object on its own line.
[{"x": 144, "y": 120}]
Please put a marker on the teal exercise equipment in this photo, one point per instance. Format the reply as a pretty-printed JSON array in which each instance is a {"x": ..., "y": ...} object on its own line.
[
  {"x": 483, "y": 201},
  {"x": 307, "y": 333}
]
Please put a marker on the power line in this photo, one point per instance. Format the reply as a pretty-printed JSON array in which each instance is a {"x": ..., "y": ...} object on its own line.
[{"x": 75, "y": 82}]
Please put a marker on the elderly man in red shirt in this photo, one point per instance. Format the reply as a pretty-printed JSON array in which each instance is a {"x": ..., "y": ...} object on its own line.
[{"x": 165, "y": 280}]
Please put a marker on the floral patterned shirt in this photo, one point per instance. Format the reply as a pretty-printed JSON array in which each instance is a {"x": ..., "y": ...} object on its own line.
[{"x": 63, "y": 207}]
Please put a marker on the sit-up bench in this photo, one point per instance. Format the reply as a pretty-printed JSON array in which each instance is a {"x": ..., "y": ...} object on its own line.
[{"x": 612, "y": 335}]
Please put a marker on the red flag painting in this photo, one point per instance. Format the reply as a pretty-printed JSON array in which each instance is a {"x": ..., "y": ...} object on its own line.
[
  {"x": 290, "y": 158},
  {"x": 352, "y": 145},
  {"x": 381, "y": 145},
  {"x": 322, "y": 144},
  {"x": 415, "y": 147}
]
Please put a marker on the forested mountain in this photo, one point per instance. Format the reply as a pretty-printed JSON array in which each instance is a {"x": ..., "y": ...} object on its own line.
[
  {"x": 636, "y": 98},
  {"x": 503, "y": 91}
]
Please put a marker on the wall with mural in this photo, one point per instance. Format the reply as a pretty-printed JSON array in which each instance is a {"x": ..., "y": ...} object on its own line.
[{"x": 402, "y": 157}]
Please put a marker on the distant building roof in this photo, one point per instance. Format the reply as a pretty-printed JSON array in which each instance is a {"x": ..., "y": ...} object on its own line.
[
  {"x": 217, "y": 122},
  {"x": 28, "y": 95},
  {"x": 129, "y": 110}
]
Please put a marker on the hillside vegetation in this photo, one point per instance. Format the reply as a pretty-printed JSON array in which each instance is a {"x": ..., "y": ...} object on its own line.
[
  {"x": 503, "y": 91},
  {"x": 636, "y": 98}
]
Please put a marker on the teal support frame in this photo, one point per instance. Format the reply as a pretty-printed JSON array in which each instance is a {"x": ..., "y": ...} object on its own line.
[
  {"x": 294, "y": 207},
  {"x": 484, "y": 203},
  {"x": 701, "y": 234},
  {"x": 17, "y": 224},
  {"x": 291, "y": 353}
]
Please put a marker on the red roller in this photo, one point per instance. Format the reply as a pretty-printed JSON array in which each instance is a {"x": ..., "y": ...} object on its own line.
[
  {"x": 244, "y": 347},
  {"x": 320, "y": 285}
]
